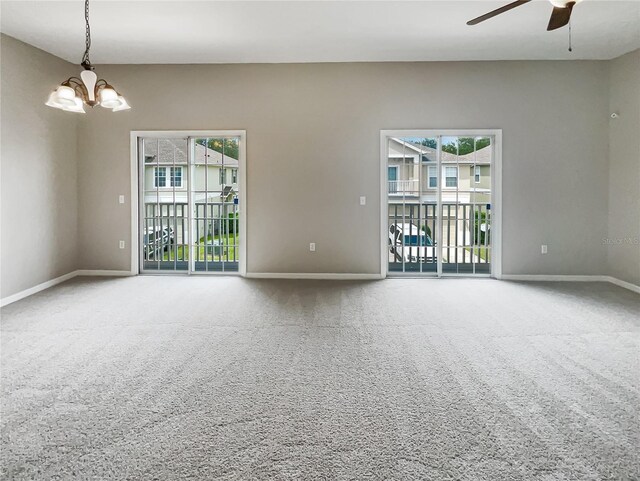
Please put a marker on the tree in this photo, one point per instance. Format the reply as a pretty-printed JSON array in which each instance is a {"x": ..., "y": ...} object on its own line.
[
  {"x": 427, "y": 230},
  {"x": 431, "y": 143},
  {"x": 481, "y": 236},
  {"x": 227, "y": 147},
  {"x": 465, "y": 145}
]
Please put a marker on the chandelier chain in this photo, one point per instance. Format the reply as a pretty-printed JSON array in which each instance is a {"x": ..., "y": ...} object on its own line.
[{"x": 87, "y": 40}]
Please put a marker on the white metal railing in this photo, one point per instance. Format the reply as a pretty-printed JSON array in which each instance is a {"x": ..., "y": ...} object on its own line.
[{"x": 410, "y": 187}]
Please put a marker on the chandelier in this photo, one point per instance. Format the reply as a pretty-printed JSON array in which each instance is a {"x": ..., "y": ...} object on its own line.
[{"x": 75, "y": 92}]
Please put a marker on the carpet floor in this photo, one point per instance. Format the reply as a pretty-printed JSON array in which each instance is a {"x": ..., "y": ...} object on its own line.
[{"x": 167, "y": 378}]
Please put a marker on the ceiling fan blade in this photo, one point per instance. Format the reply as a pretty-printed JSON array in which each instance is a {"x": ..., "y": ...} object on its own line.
[
  {"x": 497, "y": 11},
  {"x": 560, "y": 16}
]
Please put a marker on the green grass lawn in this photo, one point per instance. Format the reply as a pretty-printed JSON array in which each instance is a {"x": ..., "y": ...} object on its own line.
[
  {"x": 483, "y": 252},
  {"x": 228, "y": 247}
]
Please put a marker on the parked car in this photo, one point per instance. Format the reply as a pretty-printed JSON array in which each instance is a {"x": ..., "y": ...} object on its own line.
[
  {"x": 157, "y": 240},
  {"x": 407, "y": 242}
]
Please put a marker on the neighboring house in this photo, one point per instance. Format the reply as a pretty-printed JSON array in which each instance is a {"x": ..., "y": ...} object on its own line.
[
  {"x": 166, "y": 178},
  {"x": 212, "y": 180},
  {"x": 413, "y": 188}
]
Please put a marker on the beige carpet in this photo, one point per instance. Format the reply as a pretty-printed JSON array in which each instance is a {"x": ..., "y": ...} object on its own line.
[{"x": 173, "y": 378}]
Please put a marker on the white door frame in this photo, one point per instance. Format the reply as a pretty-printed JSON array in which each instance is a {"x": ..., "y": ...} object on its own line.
[
  {"x": 496, "y": 192},
  {"x": 135, "y": 194}
]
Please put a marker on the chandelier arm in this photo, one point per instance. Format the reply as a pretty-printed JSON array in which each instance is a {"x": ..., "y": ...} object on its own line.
[
  {"x": 78, "y": 87},
  {"x": 100, "y": 84},
  {"x": 73, "y": 81}
]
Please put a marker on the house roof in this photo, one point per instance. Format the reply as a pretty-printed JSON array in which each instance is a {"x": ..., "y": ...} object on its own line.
[
  {"x": 481, "y": 156},
  {"x": 169, "y": 150},
  {"x": 213, "y": 157}
]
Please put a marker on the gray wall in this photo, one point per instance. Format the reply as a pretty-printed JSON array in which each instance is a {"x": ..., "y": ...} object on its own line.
[
  {"x": 313, "y": 141},
  {"x": 39, "y": 171},
  {"x": 623, "y": 240},
  {"x": 313, "y": 149}
]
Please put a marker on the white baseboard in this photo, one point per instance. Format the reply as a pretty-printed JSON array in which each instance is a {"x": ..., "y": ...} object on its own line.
[
  {"x": 316, "y": 275},
  {"x": 570, "y": 278},
  {"x": 625, "y": 284},
  {"x": 35, "y": 289},
  {"x": 104, "y": 273},
  {"x": 312, "y": 275},
  {"x": 553, "y": 277},
  {"x": 58, "y": 280}
]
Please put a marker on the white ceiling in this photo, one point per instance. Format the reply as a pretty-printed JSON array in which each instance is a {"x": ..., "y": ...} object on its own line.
[{"x": 321, "y": 31}]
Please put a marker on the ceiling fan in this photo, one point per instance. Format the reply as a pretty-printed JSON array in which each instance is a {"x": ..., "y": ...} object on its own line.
[{"x": 559, "y": 16}]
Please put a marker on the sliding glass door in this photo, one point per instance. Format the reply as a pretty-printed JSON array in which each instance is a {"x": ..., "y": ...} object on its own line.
[
  {"x": 412, "y": 232},
  {"x": 465, "y": 200},
  {"x": 164, "y": 226},
  {"x": 215, "y": 226},
  {"x": 439, "y": 204},
  {"x": 189, "y": 203}
]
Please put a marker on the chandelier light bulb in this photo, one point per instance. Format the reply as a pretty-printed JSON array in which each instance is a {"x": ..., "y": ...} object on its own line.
[
  {"x": 65, "y": 95},
  {"x": 108, "y": 98},
  {"x": 77, "y": 106},
  {"x": 52, "y": 101},
  {"x": 123, "y": 104}
]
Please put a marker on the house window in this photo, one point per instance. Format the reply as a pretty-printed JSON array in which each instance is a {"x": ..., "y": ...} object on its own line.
[
  {"x": 433, "y": 176},
  {"x": 234, "y": 176},
  {"x": 222, "y": 176},
  {"x": 176, "y": 176},
  {"x": 160, "y": 179},
  {"x": 451, "y": 176},
  {"x": 477, "y": 174}
]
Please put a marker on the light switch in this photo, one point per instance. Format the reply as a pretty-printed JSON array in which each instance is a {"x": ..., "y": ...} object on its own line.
[
  {"x": 121, "y": 244},
  {"x": 121, "y": 199},
  {"x": 363, "y": 200},
  {"x": 544, "y": 250},
  {"x": 312, "y": 246}
]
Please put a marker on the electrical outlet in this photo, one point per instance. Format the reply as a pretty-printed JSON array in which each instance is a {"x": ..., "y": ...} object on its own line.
[
  {"x": 121, "y": 244},
  {"x": 363, "y": 200},
  {"x": 121, "y": 199},
  {"x": 312, "y": 246},
  {"x": 544, "y": 249}
]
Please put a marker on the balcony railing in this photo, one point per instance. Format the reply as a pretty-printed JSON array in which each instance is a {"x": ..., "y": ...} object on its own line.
[
  {"x": 463, "y": 239},
  {"x": 406, "y": 187},
  {"x": 215, "y": 241}
]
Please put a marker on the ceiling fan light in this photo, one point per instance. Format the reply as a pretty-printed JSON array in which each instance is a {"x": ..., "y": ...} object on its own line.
[
  {"x": 562, "y": 3},
  {"x": 123, "y": 104}
]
